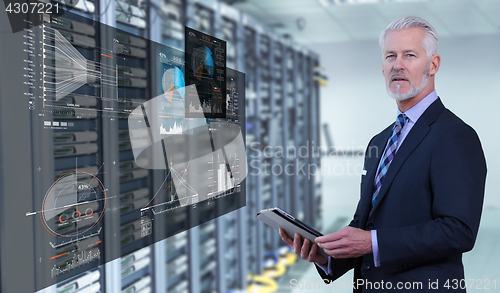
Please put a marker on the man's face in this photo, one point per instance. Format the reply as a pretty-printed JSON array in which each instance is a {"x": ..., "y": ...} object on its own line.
[{"x": 405, "y": 64}]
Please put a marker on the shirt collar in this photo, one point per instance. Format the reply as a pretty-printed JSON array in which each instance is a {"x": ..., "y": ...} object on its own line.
[{"x": 416, "y": 111}]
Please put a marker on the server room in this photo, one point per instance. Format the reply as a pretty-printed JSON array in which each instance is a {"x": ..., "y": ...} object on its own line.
[{"x": 257, "y": 146}]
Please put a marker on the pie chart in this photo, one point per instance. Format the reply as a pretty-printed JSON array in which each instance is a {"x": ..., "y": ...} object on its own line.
[
  {"x": 172, "y": 83},
  {"x": 202, "y": 63},
  {"x": 74, "y": 204}
]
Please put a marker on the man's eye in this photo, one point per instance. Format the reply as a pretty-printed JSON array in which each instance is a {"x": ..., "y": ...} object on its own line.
[
  {"x": 390, "y": 56},
  {"x": 411, "y": 55}
]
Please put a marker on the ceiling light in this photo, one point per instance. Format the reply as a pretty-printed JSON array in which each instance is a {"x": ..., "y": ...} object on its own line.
[{"x": 324, "y": 3}]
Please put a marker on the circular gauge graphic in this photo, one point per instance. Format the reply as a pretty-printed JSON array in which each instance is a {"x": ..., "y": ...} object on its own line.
[
  {"x": 74, "y": 204},
  {"x": 173, "y": 82},
  {"x": 202, "y": 63}
]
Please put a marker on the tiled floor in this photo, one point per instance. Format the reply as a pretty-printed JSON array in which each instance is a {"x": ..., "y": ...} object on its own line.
[{"x": 340, "y": 196}]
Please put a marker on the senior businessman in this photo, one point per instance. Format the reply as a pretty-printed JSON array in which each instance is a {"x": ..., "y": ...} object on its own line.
[{"x": 422, "y": 193}]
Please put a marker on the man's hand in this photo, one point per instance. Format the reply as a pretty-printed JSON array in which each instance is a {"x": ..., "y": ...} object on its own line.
[
  {"x": 302, "y": 249},
  {"x": 348, "y": 242}
]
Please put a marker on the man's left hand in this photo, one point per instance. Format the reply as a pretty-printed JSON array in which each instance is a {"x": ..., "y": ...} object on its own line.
[{"x": 348, "y": 242}]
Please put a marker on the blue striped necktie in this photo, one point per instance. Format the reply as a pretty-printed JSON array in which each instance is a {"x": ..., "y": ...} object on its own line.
[{"x": 389, "y": 153}]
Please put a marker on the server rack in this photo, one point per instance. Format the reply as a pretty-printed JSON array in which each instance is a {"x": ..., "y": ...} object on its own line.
[
  {"x": 135, "y": 184},
  {"x": 78, "y": 147},
  {"x": 313, "y": 128},
  {"x": 280, "y": 87},
  {"x": 254, "y": 229},
  {"x": 172, "y": 23},
  {"x": 282, "y": 110},
  {"x": 278, "y": 118},
  {"x": 232, "y": 270}
]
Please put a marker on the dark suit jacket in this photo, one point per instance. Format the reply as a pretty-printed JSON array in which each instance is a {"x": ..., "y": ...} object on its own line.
[{"x": 428, "y": 209}]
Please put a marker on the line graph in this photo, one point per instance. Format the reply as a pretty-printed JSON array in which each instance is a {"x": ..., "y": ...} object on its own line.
[{"x": 180, "y": 191}]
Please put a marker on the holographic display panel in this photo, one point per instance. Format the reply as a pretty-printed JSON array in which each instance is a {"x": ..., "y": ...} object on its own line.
[{"x": 205, "y": 68}]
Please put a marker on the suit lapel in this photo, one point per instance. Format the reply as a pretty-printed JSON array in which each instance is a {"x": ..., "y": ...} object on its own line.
[
  {"x": 412, "y": 140},
  {"x": 375, "y": 151}
]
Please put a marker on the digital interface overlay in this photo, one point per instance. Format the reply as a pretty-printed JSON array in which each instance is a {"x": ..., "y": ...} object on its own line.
[
  {"x": 118, "y": 161},
  {"x": 205, "y": 68}
]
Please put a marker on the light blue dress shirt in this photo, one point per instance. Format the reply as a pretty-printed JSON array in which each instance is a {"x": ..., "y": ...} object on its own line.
[{"x": 413, "y": 115}]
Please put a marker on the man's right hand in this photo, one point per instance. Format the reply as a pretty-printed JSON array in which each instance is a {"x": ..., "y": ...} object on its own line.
[{"x": 306, "y": 250}]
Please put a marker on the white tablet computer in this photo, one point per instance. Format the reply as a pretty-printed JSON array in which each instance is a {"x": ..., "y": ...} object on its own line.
[{"x": 278, "y": 218}]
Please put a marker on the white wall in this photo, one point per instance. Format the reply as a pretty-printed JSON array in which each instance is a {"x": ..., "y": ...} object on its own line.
[{"x": 356, "y": 105}]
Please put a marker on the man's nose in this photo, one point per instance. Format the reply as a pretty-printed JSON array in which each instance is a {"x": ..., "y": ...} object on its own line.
[{"x": 398, "y": 64}]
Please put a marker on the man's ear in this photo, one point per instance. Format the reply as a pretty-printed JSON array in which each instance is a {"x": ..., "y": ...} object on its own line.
[{"x": 435, "y": 62}]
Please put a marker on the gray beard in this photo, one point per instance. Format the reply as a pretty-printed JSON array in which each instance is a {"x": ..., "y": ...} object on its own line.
[{"x": 413, "y": 92}]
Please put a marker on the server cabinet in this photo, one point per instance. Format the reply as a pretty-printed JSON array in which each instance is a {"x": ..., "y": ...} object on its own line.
[{"x": 282, "y": 102}]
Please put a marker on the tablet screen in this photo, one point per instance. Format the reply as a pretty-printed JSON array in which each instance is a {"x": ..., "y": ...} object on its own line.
[{"x": 299, "y": 223}]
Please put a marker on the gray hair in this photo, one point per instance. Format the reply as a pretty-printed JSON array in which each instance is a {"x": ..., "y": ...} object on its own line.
[{"x": 430, "y": 42}]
